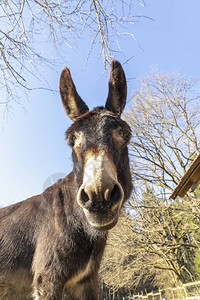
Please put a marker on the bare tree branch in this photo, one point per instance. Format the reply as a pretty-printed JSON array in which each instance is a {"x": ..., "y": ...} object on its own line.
[{"x": 23, "y": 22}]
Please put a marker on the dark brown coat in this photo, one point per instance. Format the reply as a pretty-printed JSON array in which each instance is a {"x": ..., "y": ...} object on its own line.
[{"x": 55, "y": 241}]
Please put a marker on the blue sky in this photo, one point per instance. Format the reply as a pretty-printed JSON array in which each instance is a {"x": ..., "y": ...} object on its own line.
[{"x": 32, "y": 144}]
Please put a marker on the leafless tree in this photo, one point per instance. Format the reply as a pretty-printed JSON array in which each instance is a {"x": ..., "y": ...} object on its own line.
[
  {"x": 27, "y": 24},
  {"x": 154, "y": 248},
  {"x": 165, "y": 121},
  {"x": 130, "y": 263},
  {"x": 158, "y": 240}
]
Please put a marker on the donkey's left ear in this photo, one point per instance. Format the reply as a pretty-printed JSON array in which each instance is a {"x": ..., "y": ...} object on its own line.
[
  {"x": 117, "y": 89},
  {"x": 72, "y": 102}
]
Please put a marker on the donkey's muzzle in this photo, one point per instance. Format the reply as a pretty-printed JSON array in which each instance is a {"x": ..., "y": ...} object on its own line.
[
  {"x": 102, "y": 208},
  {"x": 100, "y": 194},
  {"x": 88, "y": 199}
]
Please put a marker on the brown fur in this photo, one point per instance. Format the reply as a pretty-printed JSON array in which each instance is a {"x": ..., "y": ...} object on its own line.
[{"x": 47, "y": 242}]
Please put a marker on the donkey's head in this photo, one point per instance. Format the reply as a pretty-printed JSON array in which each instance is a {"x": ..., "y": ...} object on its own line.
[{"x": 99, "y": 140}]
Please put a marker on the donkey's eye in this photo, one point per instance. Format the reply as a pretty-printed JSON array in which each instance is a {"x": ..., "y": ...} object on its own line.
[
  {"x": 119, "y": 133},
  {"x": 73, "y": 138},
  {"x": 76, "y": 139}
]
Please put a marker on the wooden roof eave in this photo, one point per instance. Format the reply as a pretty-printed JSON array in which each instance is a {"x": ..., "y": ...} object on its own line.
[{"x": 191, "y": 179}]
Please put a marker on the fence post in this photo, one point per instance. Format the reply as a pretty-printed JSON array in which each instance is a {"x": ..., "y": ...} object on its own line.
[
  {"x": 185, "y": 290},
  {"x": 180, "y": 292}
]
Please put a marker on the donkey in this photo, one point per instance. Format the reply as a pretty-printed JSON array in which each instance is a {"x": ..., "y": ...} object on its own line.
[{"x": 55, "y": 241}]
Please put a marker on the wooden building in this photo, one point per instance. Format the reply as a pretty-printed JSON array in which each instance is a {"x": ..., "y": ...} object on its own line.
[{"x": 191, "y": 179}]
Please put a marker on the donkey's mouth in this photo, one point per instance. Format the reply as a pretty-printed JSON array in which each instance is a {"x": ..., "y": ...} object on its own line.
[
  {"x": 101, "y": 221},
  {"x": 104, "y": 227}
]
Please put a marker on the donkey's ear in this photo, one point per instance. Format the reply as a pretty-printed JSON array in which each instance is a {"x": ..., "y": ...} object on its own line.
[
  {"x": 117, "y": 89},
  {"x": 71, "y": 100}
]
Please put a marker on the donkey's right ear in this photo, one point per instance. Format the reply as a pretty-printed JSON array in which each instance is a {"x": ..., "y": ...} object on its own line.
[
  {"x": 117, "y": 89},
  {"x": 72, "y": 102}
]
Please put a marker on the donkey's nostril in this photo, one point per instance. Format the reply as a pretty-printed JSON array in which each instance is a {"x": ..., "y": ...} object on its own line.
[
  {"x": 84, "y": 196},
  {"x": 83, "y": 199},
  {"x": 116, "y": 194}
]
